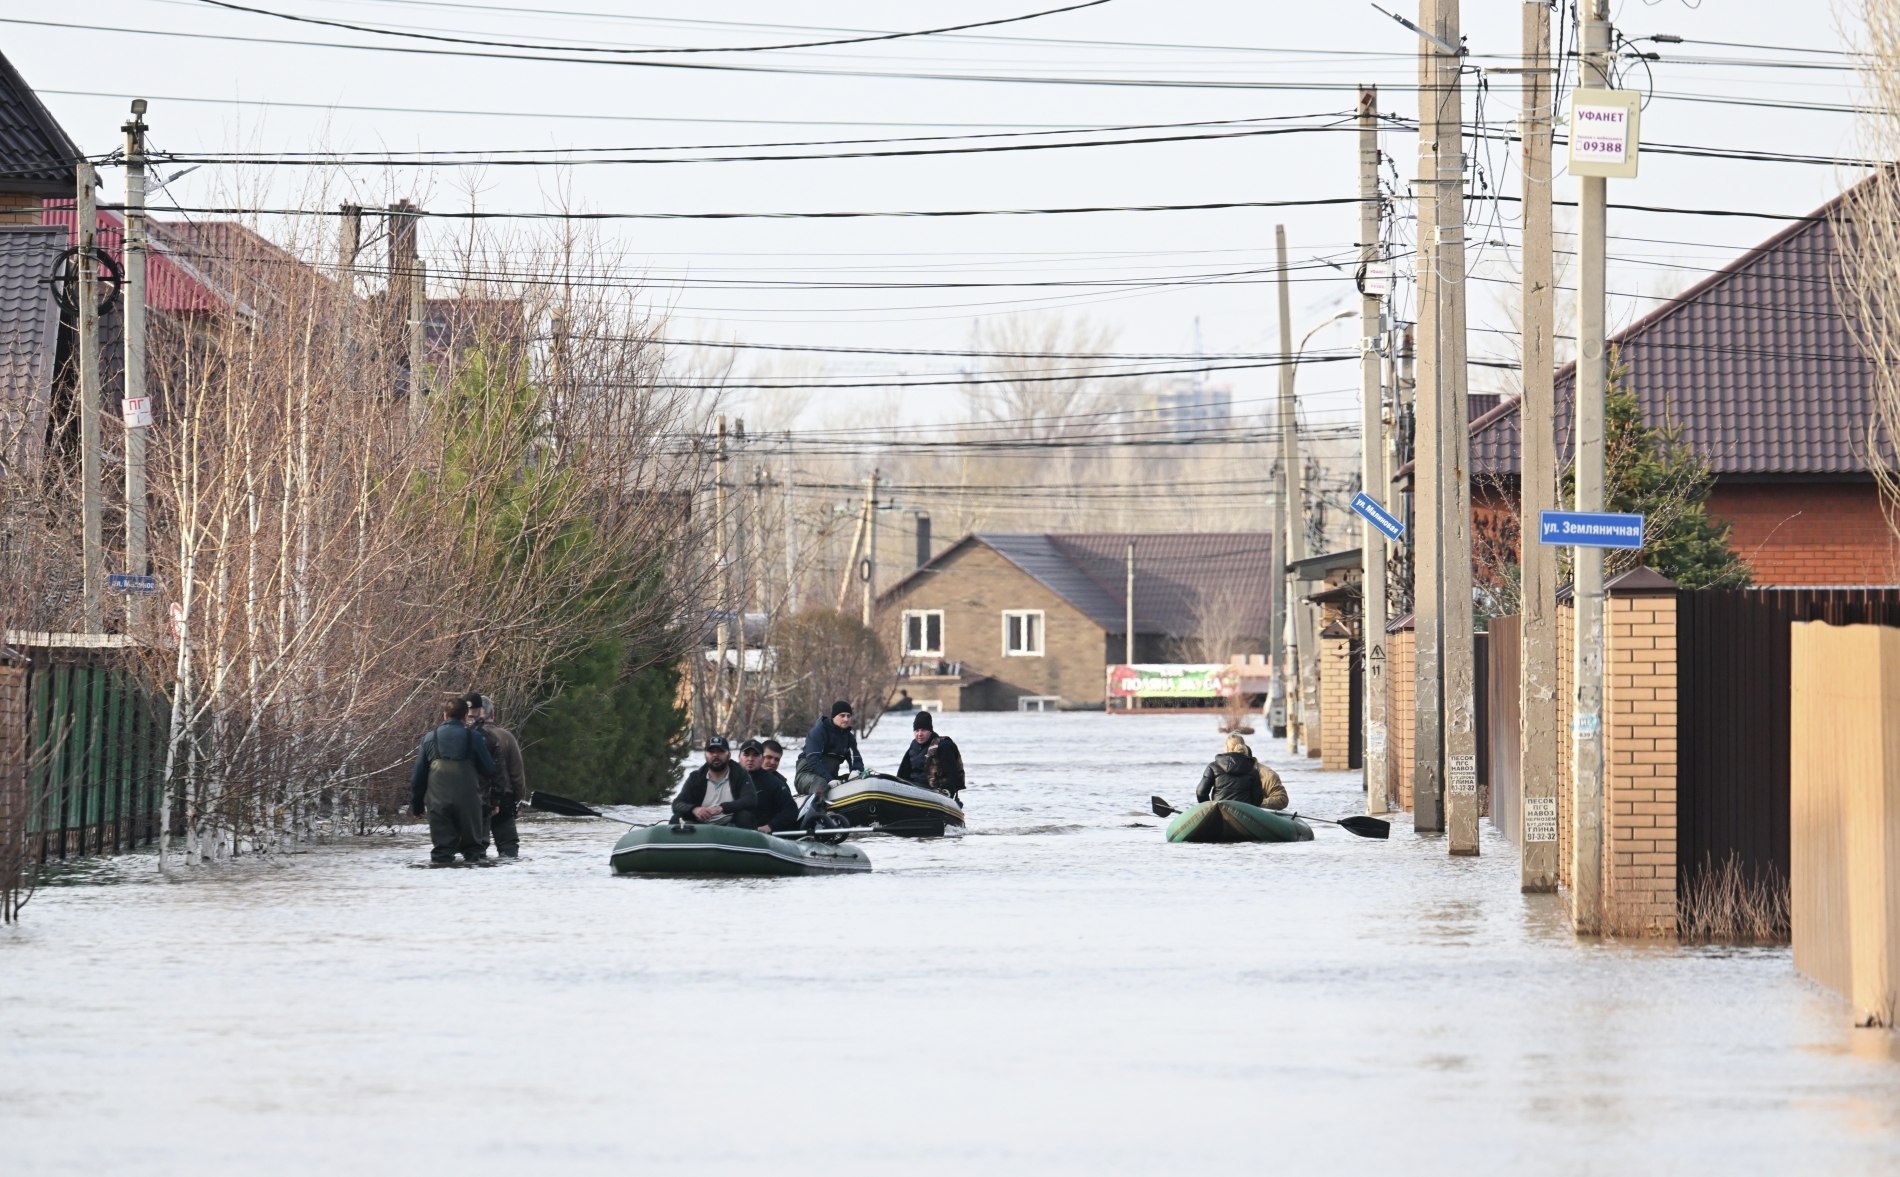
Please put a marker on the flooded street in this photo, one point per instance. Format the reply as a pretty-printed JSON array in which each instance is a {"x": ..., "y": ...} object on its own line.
[{"x": 1059, "y": 991}]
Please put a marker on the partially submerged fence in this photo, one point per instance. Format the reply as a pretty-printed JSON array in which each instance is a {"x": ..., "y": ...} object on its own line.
[{"x": 95, "y": 747}]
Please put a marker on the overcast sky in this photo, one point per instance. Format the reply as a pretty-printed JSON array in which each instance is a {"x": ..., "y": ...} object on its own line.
[{"x": 272, "y": 96}]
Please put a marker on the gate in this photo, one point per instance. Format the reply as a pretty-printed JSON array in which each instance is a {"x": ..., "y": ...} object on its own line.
[
  {"x": 1502, "y": 663},
  {"x": 1732, "y": 665}
]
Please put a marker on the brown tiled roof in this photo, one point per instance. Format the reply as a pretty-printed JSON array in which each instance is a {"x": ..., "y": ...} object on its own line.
[{"x": 1755, "y": 362}]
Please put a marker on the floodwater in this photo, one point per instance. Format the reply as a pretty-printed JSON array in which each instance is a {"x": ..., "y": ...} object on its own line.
[{"x": 1059, "y": 991}]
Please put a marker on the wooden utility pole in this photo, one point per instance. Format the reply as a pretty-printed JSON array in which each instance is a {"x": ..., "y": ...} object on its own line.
[
  {"x": 1292, "y": 512},
  {"x": 791, "y": 531},
  {"x": 136, "y": 407},
  {"x": 867, "y": 568},
  {"x": 1372, "y": 451},
  {"x": 1435, "y": 174},
  {"x": 92, "y": 528},
  {"x": 1586, "y": 810},
  {"x": 1456, "y": 623},
  {"x": 1537, "y": 615},
  {"x": 723, "y": 570}
]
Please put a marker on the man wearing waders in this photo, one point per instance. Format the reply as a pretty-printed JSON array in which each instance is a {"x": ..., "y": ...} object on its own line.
[
  {"x": 445, "y": 784},
  {"x": 503, "y": 793},
  {"x": 828, "y": 747}
]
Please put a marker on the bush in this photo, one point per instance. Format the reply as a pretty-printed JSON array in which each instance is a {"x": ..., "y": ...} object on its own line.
[{"x": 608, "y": 736}]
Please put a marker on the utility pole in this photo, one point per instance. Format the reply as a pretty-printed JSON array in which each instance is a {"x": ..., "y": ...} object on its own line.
[
  {"x": 92, "y": 529},
  {"x": 1537, "y": 562},
  {"x": 1454, "y": 464},
  {"x": 1292, "y": 511},
  {"x": 1372, "y": 453},
  {"x": 723, "y": 570},
  {"x": 1436, "y": 173},
  {"x": 409, "y": 286},
  {"x": 1586, "y": 813},
  {"x": 349, "y": 243},
  {"x": 867, "y": 571},
  {"x": 1128, "y": 622},
  {"x": 136, "y": 407},
  {"x": 791, "y": 531}
]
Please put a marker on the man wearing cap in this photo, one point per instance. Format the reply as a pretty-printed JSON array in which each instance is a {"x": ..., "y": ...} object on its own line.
[
  {"x": 778, "y": 809},
  {"x": 717, "y": 789},
  {"x": 829, "y": 746},
  {"x": 931, "y": 760}
]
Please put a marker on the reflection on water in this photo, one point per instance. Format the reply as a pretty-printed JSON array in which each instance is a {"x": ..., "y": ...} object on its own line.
[{"x": 1059, "y": 991}]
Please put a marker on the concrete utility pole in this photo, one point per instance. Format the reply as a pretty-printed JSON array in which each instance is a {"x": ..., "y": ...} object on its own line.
[
  {"x": 723, "y": 568},
  {"x": 1586, "y": 812},
  {"x": 1537, "y": 616},
  {"x": 92, "y": 528},
  {"x": 1128, "y": 624},
  {"x": 870, "y": 549},
  {"x": 791, "y": 531},
  {"x": 1456, "y": 623},
  {"x": 1427, "y": 476},
  {"x": 1372, "y": 452},
  {"x": 1292, "y": 513},
  {"x": 136, "y": 409}
]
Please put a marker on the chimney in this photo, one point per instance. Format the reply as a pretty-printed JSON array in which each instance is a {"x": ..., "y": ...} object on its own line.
[{"x": 923, "y": 540}]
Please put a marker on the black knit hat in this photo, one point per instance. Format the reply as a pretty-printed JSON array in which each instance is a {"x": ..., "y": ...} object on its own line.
[
  {"x": 923, "y": 723},
  {"x": 839, "y": 708}
]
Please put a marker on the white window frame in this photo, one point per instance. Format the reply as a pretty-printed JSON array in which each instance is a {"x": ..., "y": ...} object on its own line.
[
  {"x": 1034, "y": 623},
  {"x": 925, "y": 615}
]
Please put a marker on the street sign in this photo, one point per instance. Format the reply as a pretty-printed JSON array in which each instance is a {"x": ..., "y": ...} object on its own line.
[
  {"x": 1589, "y": 529},
  {"x": 126, "y": 582},
  {"x": 1370, "y": 510},
  {"x": 137, "y": 411}
]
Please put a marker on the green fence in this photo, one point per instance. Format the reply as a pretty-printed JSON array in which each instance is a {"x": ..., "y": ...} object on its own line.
[{"x": 96, "y": 750}]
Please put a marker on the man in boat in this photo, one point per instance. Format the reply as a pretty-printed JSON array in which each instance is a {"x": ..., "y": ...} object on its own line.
[
  {"x": 778, "y": 809},
  {"x": 502, "y": 793},
  {"x": 446, "y": 785},
  {"x": 829, "y": 745},
  {"x": 1270, "y": 787},
  {"x": 1234, "y": 776},
  {"x": 931, "y": 760},
  {"x": 716, "y": 790}
]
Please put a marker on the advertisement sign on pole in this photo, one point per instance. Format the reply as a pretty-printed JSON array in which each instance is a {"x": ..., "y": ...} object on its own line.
[
  {"x": 1172, "y": 680},
  {"x": 1604, "y": 127}
]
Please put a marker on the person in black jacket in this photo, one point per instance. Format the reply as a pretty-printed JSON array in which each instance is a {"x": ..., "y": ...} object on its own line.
[
  {"x": 931, "y": 760},
  {"x": 778, "y": 809},
  {"x": 1234, "y": 776},
  {"x": 446, "y": 785},
  {"x": 829, "y": 745},
  {"x": 716, "y": 790}
]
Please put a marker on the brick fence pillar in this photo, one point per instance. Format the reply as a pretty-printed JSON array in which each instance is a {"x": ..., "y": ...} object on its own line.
[
  {"x": 1335, "y": 698},
  {"x": 1639, "y": 788}
]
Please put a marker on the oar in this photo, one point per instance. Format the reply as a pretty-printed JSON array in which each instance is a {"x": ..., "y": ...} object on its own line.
[
  {"x": 567, "y": 807},
  {"x": 1365, "y": 827}
]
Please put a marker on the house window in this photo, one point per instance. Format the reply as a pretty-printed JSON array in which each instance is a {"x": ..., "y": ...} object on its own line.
[
  {"x": 923, "y": 632},
  {"x": 1022, "y": 633}
]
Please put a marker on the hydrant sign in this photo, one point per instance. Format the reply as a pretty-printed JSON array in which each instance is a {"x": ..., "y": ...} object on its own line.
[{"x": 1603, "y": 132}]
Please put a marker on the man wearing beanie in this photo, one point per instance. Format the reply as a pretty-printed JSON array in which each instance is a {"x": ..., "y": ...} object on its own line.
[
  {"x": 931, "y": 760},
  {"x": 829, "y": 746}
]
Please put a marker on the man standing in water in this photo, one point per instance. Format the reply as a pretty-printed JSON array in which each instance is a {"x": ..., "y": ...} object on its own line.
[
  {"x": 828, "y": 746},
  {"x": 931, "y": 760},
  {"x": 445, "y": 785},
  {"x": 717, "y": 789},
  {"x": 503, "y": 793}
]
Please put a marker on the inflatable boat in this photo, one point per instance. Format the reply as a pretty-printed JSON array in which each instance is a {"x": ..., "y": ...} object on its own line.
[
  {"x": 692, "y": 849},
  {"x": 1236, "y": 821},
  {"x": 894, "y": 806}
]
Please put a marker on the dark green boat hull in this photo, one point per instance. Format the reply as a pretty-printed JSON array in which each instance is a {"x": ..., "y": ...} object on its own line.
[
  {"x": 1236, "y": 821},
  {"x": 723, "y": 850}
]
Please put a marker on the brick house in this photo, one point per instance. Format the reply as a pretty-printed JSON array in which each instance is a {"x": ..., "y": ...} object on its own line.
[
  {"x": 997, "y": 619},
  {"x": 1758, "y": 366}
]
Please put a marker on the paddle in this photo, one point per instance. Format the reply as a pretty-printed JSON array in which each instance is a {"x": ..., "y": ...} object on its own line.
[
  {"x": 1365, "y": 827},
  {"x": 566, "y": 807}
]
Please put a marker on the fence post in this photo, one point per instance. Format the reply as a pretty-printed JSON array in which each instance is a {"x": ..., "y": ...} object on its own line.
[{"x": 1639, "y": 747}]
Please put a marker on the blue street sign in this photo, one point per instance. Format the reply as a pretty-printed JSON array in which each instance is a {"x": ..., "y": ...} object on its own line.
[
  {"x": 126, "y": 582},
  {"x": 1369, "y": 508},
  {"x": 1590, "y": 529}
]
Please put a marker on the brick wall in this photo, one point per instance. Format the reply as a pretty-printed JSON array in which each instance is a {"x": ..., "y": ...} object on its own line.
[
  {"x": 1809, "y": 533},
  {"x": 974, "y": 586},
  {"x": 19, "y": 209},
  {"x": 1639, "y": 787},
  {"x": 1401, "y": 687},
  {"x": 1335, "y": 704}
]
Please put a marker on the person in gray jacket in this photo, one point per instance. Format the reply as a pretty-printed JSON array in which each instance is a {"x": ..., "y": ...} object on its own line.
[{"x": 446, "y": 785}]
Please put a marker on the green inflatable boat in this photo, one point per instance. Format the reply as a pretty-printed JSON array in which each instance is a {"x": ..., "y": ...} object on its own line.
[
  {"x": 1236, "y": 821},
  {"x": 722, "y": 850}
]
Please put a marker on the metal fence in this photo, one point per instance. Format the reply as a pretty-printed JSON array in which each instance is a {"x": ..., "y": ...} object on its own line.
[{"x": 96, "y": 747}]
